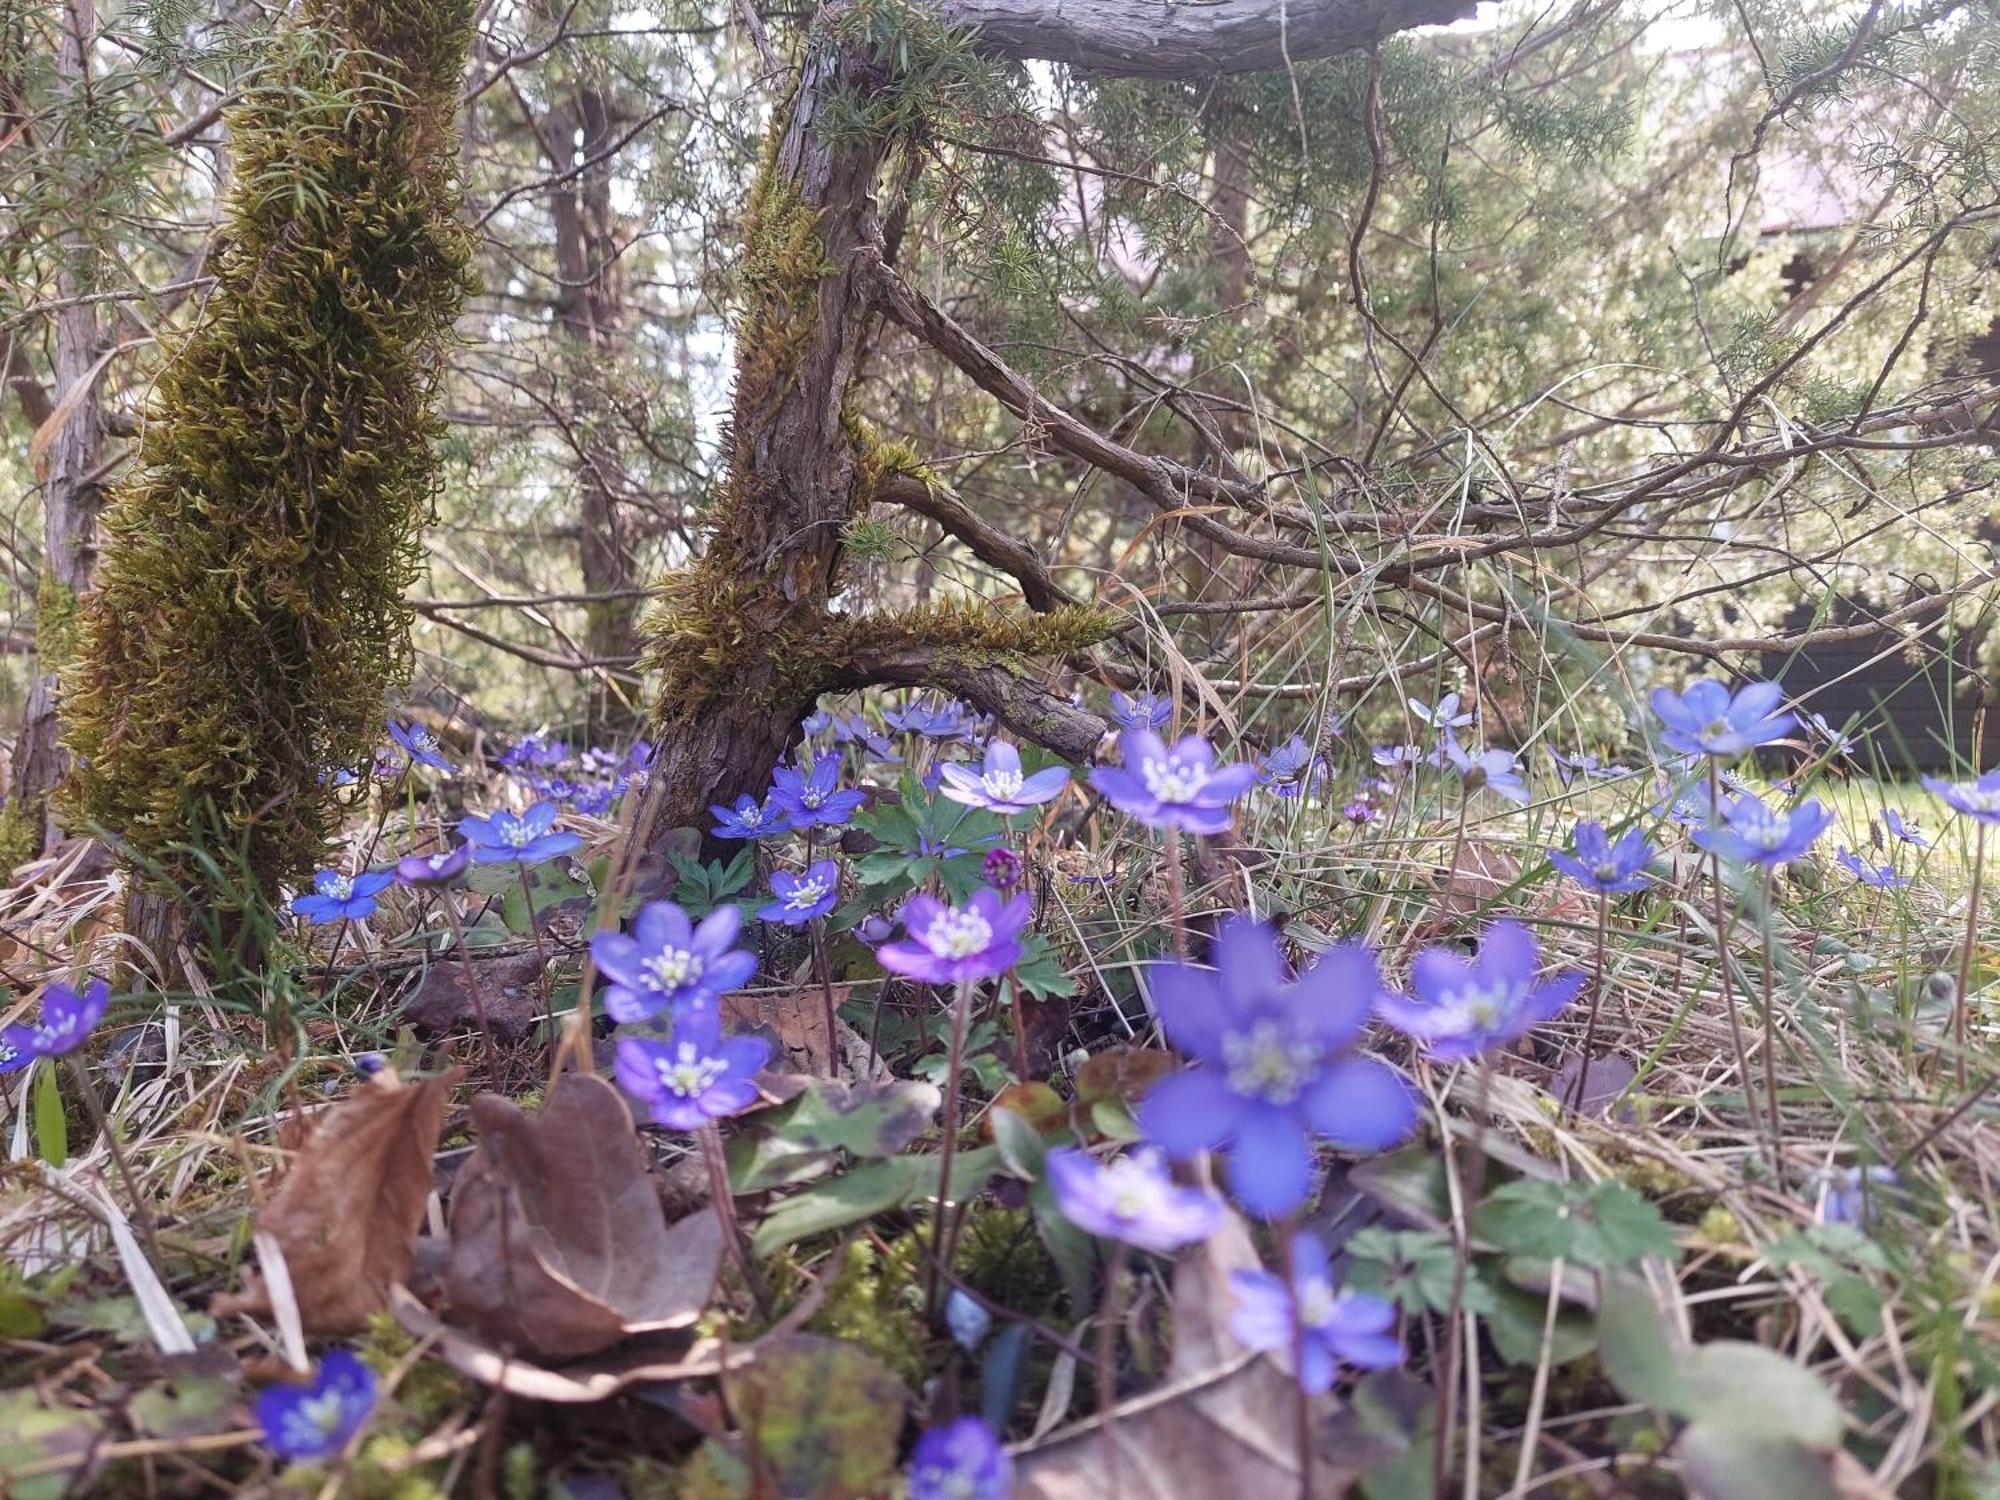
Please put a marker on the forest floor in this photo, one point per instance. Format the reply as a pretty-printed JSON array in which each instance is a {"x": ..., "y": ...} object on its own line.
[{"x": 1692, "y": 1281}]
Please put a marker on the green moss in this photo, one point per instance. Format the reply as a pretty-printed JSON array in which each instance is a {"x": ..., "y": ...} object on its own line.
[
  {"x": 55, "y": 621},
  {"x": 877, "y": 1301},
  {"x": 20, "y": 835},
  {"x": 250, "y": 613}
]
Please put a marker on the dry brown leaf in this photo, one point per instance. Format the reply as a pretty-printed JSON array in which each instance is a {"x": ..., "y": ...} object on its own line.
[
  {"x": 507, "y": 984},
  {"x": 1483, "y": 872},
  {"x": 559, "y": 1245},
  {"x": 796, "y": 1024},
  {"x": 1222, "y": 1425},
  {"x": 348, "y": 1210}
]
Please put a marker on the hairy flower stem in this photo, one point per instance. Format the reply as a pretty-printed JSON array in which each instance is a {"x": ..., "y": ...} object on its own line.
[
  {"x": 1722, "y": 950},
  {"x": 941, "y": 1240},
  {"x": 541, "y": 952},
  {"x": 1771, "y": 1032},
  {"x": 1176, "y": 894},
  {"x": 1302, "y": 1411},
  {"x": 725, "y": 1214},
  {"x": 1108, "y": 1315},
  {"x": 826, "y": 996},
  {"x": 472, "y": 988},
  {"x": 1581, "y": 1088},
  {"x": 1960, "y": 993},
  {"x": 142, "y": 1217},
  {"x": 1470, "y": 1187}
]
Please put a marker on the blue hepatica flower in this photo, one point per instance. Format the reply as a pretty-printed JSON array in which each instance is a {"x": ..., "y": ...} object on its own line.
[
  {"x": 961, "y": 1460},
  {"x": 1839, "y": 742},
  {"x": 1493, "y": 769},
  {"x": 67, "y": 1021},
  {"x": 447, "y": 867},
  {"x": 314, "y": 1421},
  {"x": 1274, "y": 1065},
  {"x": 1878, "y": 877},
  {"x": 667, "y": 961},
  {"x": 1397, "y": 757},
  {"x": 1444, "y": 717},
  {"x": 1602, "y": 866},
  {"x": 526, "y": 838},
  {"x": 998, "y": 785},
  {"x": 812, "y": 798},
  {"x": 1754, "y": 832},
  {"x": 1144, "y": 711},
  {"x": 1292, "y": 768},
  {"x": 1588, "y": 767},
  {"x": 945, "y": 722},
  {"x": 1706, "y": 720},
  {"x": 1853, "y": 1195},
  {"x": 1465, "y": 1008},
  {"x": 1132, "y": 1199},
  {"x": 1688, "y": 807},
  {"x": 338, "y": 897},
  {"x": 803, "y": 897},
  {"x": 419, "y": 744},
  {"x": 1976, "y": 799},
  {"x": 1901, "y": 831},
  {"x": 1326, "y": 1325},
  {"x": 696, "y": 1076},
  {"x": 749, "y": 819},
  {"x": 947, "y": 944},
  {"x": 1177, "y": 788}
]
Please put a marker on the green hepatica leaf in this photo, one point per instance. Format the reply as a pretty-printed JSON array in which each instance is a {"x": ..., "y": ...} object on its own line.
[
  {"x": 1413, "y": 1268},
  {"x": 186, "y": 1406},
  {"x": 825, "y": 1417},
  {"x": 1636, "y": 1350},
  {"x": 51, "y": 1132},
  {"x": 864, "y": 1119},
  {"x": 1040, "y": 973},
  {"x": 1604, "y": 1226},
  {"x": 1733, "y": 1463},
  {"x": 1514, "y": 1318},
  {"x": 1734, "y": 1384},
  {"x": 866, "y": 1191},
  {"x": 32, "y": 1433}
]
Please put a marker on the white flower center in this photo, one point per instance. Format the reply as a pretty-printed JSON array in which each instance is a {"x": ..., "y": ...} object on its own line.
[
  {"x": 806, "y": 893},
  {"x": 1607, "y": 872},
  {"x": 1971, "y": 796},
  {"x": 1765, "y": 830},
  {"x": 671, "y": 968},
  {"x": 8, "y": 1052},
  {"x": 422, "y": 739},
  {"x": 439, "y": 861},
  {"x": 1134, "y": 1192},
  {"x": 690, "y": 1074},
  {"x": 1480, "y": 1007},
  {"x": 1002, "y": 786},
  {"x": 341, "y": 887},
  {"x": 1265, "y": 1064},
  {"x": 1318, "y": 1303},
  {"x": 812, "y": 796},
  {"x": 1173, "y": 779},
  {"x": 959, "y": 934},
  {"x": 515, "y": 833},
  {"x": 314, "y": 1419}
]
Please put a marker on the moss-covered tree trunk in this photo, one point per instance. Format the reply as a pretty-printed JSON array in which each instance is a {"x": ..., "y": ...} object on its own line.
[{"x": 250, "y": 611}]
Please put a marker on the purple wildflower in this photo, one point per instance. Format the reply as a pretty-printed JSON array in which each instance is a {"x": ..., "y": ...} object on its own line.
[
  {"x": 337, "y": 897},
  {"x": 1604, "y": 867},
  {"x": 803, "y": 897},
  {"x": 696, "y": 1076},
  {"x": 1144, "y": 711},
  {"x": 1754, "y": 832},
  {"x": 1177, "y": 788},
  {"x": 945, "y": 722},
  {"x": 1132, "y": 1199},
  {"x": 961, "y": 1460},
  {"x": 419, "y": 744},
  {"x": 1901, "y": 831},
  {"x": 1853, "y": 1195},
  {"x": 525, "y": 838},
  {"x": 1292, "y": 768},
  {"x": 1002, "y": 869},
  {"x": 1706, "y": 720},
  {"x": 307, "y": 1423},
  {"x": 1445, "y": 716},
  {"x": 749, "y": 819},
  {"x": 948, "y": 944},
  {"x": 1976, "y": 799},
  {"x": 812, "y": 798},
  {"x": 1396, "y": 757},
  {"x": 1274, "y": 1064},
  {"x": 1877, "y": 877},
  {"x": 667, "y": 961},
  {"x": 998, "y": 785},
  {"x": 67, "y": 1021},
  {"x": 1463, "y": 1009},
  {"x": 446, "y": 867},
  {"x": 1493, "y": 769},
  {"x": 1329, "y": 1327}
]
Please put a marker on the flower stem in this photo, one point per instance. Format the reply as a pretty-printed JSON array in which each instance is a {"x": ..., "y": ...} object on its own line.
[
  {"x": 1302, "y": 1412},
  {"x": 940, "y": 1243},
  {"x": 1176, "y": 895},
  {"x": 541, "y": 950},
  {"x": 1470, "y": 1187},
  {"x": 826, "y": 996},
  {"x": 1582, "y": 1087},
  {"x": 1108, "y": 1315},
  {"x": 1960, "y": 997},
  {"x": 1722, "y": 947},
  {"x": 472, "y": 987},
  {"x": 1771, "y": 1034},
  {"x": 142, "y": 1217},
  {"x": 725, "y": 1213}
]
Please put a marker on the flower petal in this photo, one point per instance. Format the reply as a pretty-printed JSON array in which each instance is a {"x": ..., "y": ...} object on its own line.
[
  {"x": 1361, "y": 1104},
  {"x": 1189, "y": 1112},
  {"x": 1270, "y": 1163}
]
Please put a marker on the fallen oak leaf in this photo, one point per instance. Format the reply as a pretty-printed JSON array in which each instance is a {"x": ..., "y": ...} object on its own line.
[
  {"x": 347, "y": 1213},
  {"x": 559, "y": 1245},
  {"x": 443, "y": 1002}
]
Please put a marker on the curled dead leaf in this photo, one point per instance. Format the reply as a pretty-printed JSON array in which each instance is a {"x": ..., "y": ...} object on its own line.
[
  {"x": 559, "y": 1245},
  {"x": 507, "y": 983},
  {"x": 347, "y": 1213}
]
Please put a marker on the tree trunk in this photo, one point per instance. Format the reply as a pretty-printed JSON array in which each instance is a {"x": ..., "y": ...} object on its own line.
[
  {"x": 588, "y": 312},
  {"x": 70, "y": 495}
]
